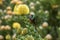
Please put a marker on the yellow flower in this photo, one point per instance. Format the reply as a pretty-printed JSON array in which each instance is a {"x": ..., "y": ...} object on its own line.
[
  {"x": 16, "y": 25},
  {"x": 1, "y": 2},
  {"x": 21, "y": 9},
  {"x": 24, "y": 31},
  {"x": 8, "y": 37}
]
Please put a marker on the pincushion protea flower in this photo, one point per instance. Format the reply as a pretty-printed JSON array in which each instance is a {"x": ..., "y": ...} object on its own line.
[
  {"x": 16, "y": 25},
  {"x": 21, "y": 9}
]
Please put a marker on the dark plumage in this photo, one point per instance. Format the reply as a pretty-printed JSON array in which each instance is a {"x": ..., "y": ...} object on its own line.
[{"x": 32, "y": 18}]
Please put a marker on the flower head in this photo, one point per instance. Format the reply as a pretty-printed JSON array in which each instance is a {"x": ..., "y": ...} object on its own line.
[
  {"x": 1, "y": 37},
  {"x": 21, "y": 9},
  {"x": 8, "y": 37},
  {"x": 48, "y": 37},
  {"x": 1, "y": 2},
  {"x": 24, "y": 31},
  {"x": 16, "y": 25}
]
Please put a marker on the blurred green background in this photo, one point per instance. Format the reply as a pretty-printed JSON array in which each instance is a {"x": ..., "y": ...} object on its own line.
[{"x": 46, "y": 15}]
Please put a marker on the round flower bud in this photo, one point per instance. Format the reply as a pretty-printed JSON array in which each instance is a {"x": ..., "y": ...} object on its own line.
[
  {"x": 48, "y": 37},
  {"x": 45, "y": 24},
  {"x": 9, "y": 12},
  {"x": 37, "y": 2},
  {"x": 7, "y": 17},
  {"x": 46, "y": 11},
  {"x": 2, "y": 28},
  {"x": 32, "y": 4},
  {"x": 1, "y": 37},
  {"x": 32, "y": 8},
  {"x": 8, "y": 8},
  {"x": 7, "y": 27}
]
